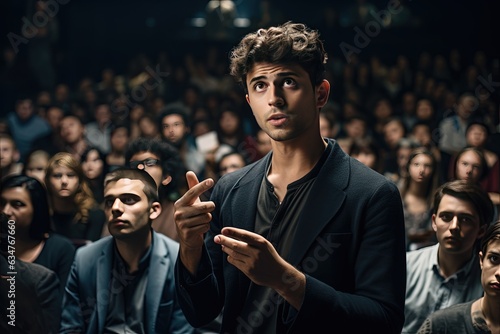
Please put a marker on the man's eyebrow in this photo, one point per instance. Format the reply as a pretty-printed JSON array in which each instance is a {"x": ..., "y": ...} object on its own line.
[
  {"x": 281, "y": 74},
  {"x": 121, "y": 195}
]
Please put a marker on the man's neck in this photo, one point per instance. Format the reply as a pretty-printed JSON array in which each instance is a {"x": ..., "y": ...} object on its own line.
[
  {"x": 490, "y": 307},
  {"x": 133, "y": 249},
  {"x": 449, "y": 264},
  {"x": 296, "y": 158},
  {"x": 290, "y": 163}
]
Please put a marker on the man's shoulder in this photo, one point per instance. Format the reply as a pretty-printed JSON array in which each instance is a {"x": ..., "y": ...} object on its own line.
[
  {"x": 170, "y": 244},
  {"x": 419, "y": 260},
  {"x": 93, "y": 249},
  {"x": 423, "y": 253}
]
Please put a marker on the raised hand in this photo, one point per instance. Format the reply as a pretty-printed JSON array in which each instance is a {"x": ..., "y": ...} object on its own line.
[{"x": 192, "y": 219}]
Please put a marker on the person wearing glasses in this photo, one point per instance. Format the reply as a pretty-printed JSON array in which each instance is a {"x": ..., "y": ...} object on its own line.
[
  {"x": 448, "y": 272},
  {"x": 162, "y": 162}
]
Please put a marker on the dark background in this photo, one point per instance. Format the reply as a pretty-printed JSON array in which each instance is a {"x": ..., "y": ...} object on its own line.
[{"x": 94, "y": 34}]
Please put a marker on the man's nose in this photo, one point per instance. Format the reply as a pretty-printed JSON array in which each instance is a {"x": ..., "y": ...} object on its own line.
[
  {"x": 275, "y": 97},
  {"x": 454, "y": 223}
]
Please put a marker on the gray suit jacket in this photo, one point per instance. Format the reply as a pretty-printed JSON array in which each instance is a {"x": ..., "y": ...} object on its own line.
[
  {"x": 87, "y": 291},
  {"x": 350, "y": 244}
]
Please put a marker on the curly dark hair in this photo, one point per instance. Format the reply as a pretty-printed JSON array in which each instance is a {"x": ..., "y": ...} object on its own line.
[{"x": 287, "y": 43}]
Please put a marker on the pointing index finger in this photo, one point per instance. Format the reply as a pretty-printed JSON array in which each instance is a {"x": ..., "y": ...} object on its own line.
[{"x": 196, "y": 188}]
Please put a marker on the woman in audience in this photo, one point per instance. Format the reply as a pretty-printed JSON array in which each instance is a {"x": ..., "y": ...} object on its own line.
[
  {"x": 24, "y": 200},
  {"x": 366, "y": 152},
  {"x": 95, "y": 168},
  {"x": 417, "y": 189},
  {"x": 119, "y": 137},
  {"x": 476, "y": 135},
  {"x": 75, "y": 213}
]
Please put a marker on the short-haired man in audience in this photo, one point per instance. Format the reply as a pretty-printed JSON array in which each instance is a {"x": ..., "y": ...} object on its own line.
[
  {"x": 448, "y": 273},
  {"x": 482, "y": 315},
  {"x": 124, "y": 283}
]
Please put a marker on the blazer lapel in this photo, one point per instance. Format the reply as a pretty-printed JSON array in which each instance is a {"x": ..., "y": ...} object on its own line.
[
  {"x": 325, "y": 200},
  {"x": 104, "y": 272},
  {"x": 243, "y": 197},
  {"x": 158, "y": 268}
]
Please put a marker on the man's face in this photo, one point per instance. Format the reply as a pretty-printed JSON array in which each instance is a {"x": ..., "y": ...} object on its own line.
[
  {"x": 103, "y": 114},
  {"x": 466, "y": 107},
  {"x": 355, "y": 128},
  {"x": 173, "y": 128},
  {"x": 126, "y": 207},
  {"x": 393, "y": 132},
  {"x": 457, "y": 225},
  {"x": 490, "y": 266},
  {"x": 469, "y": 167},
  {"x": 7, "y": 152},
  {"x": 283, "y": 101},
  {"x": 155, "y": 171},
  {"x": 231, "y": 163},
  {"x": 54, "y": 116},
  {"x": 71, "y": 130},
  {"x": 119, "y": 139},
  {"x": 24, "y": 109}
]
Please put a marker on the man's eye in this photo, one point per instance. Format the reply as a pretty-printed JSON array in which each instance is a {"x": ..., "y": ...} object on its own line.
[
  {"x": 108, "y": 203},
  {"x": 465, "y": 220},
  {"x": 446, "y": 217},
  {"x": 259, "y": 86},
  {"x": 128, "y": 200},
  {"x": 289, "y": 83}
]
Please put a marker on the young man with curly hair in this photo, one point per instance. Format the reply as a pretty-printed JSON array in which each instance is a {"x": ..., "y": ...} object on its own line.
[{"x": 304, "y": 239}]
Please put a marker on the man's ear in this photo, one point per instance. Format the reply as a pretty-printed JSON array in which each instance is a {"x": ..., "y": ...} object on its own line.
[
  {"x": 247, "y": 98},
  {"x": 166, "y": 180},
  {"x": 155, "y": 210},
  {"x": 16, "y": 156},
  {"x": 482, "y": 231},
  {"x": 434, "y": 227},
  {"x": 481, "y": 258},
  {"x": 322, "y": 93}
]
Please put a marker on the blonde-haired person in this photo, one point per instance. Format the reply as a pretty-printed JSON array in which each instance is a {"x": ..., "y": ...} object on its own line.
[
  {"x": 36, "y": 164},
  {"x": 75, "y": 213}
]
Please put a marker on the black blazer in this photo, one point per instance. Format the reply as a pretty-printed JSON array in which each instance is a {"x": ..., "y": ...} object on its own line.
[{"x": 350, "y": 243}]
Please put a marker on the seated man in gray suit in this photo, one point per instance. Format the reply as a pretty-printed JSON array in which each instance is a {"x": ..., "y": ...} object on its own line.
[{"x": 124, "y": 283}]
